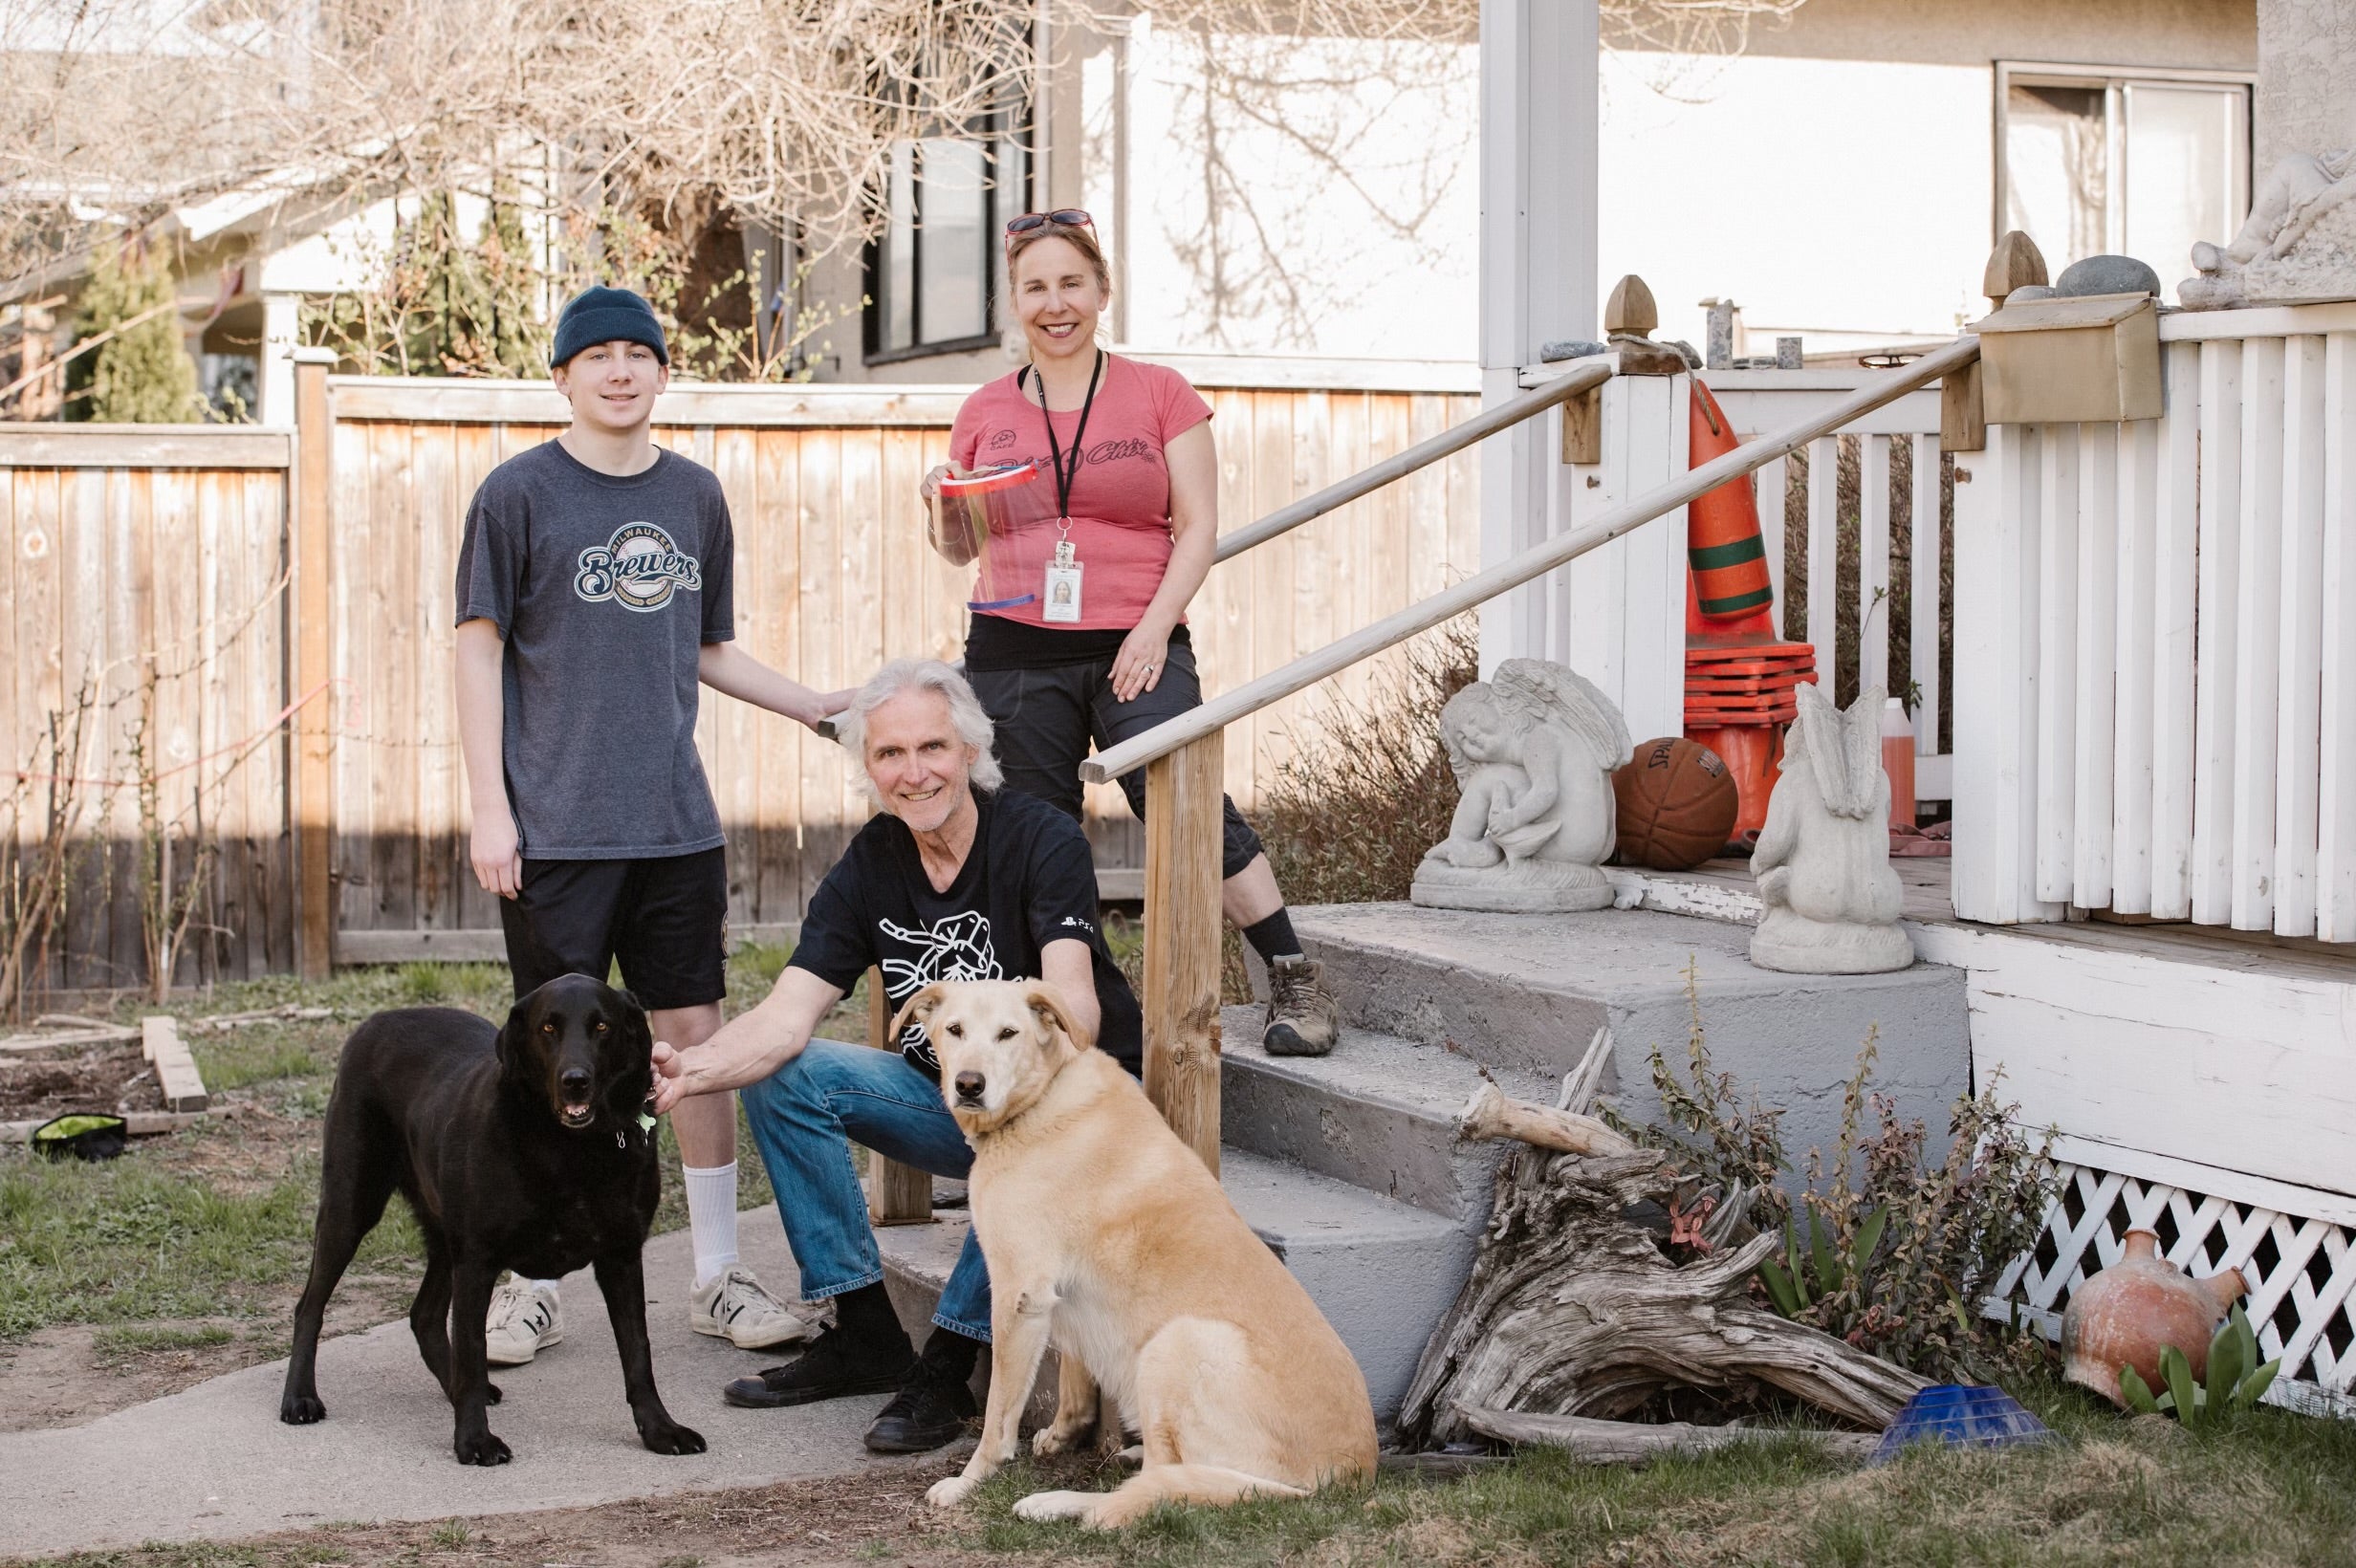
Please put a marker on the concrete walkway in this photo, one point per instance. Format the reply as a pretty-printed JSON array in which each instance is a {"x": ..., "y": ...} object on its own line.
[{"x": 215, "y": 1462}]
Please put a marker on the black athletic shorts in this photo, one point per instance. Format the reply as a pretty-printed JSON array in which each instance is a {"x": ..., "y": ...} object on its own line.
[
  {"x": 665, "y": 918},
  {"x": 1045, "y": 720}
]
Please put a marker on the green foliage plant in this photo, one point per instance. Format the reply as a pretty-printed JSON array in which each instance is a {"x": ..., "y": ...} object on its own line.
[
  {"x": 1884, "y": 1248},
  {"x": 141, "y": 374},
  {"x": 2237, "y": 1379},
  {"x": 448, "y": 304},
  {"x": 1716, "y": 1135}
]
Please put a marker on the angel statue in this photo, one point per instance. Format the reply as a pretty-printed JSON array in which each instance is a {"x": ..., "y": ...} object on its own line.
[
  {"x": 1822, "y": 860},
  {"x": 2298, "y": 244},
  {"x": 1533, "y": 748}
]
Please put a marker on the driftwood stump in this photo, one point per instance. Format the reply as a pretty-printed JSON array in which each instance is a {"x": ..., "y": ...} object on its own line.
[{"x": 1573, "y": 1309}]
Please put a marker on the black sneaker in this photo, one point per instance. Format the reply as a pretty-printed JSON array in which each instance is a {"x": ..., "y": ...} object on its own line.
[
  {"x": 929, "y": 1412},
  {"x": 832, "y": 1367}
]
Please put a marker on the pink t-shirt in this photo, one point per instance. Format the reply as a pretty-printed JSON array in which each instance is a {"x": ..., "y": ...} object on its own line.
[{"x": 1121, "y": 493}]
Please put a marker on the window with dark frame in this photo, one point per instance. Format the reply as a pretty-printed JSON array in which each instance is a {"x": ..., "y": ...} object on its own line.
[
  {"x": 2139, "y": 162},
  {"x": 936, "y": 272}
]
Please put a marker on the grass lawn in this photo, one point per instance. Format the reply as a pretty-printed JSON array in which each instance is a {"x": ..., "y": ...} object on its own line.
[
  {"x": 190, "y": 1250},
  {"x": 196, "y": 1245},
  {"x": 2267, "y": 1489}
]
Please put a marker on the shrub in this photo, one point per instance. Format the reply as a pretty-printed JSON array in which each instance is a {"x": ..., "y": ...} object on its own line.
[
  {"x": 1351, "y": 812},
  {"x": 141, "y": 374},
  {"x": 1886, "y": 1249}
]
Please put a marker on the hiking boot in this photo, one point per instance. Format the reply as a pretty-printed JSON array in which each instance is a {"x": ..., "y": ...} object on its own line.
[
  {"x": 1302, "y": 1015},
  {"x": 929, "y": 1411},
  {"x": 835, "y": 1364},
  {"x": 525, "y": 1319},
  {"x": 733, "y": 1306}
]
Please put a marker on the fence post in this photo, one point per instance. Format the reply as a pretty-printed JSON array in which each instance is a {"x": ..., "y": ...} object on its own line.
[
  {"x": 1183, "y": 929},
  {"x": 897, "y": 1195},
  {"x": 311, "y": 602}
]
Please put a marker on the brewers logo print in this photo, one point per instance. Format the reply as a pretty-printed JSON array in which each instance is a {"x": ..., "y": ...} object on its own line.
[{"x": 639, "y": 568}]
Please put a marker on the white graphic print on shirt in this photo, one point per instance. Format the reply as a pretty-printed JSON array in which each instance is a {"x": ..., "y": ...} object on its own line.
[{"x": 954, "y": 947}]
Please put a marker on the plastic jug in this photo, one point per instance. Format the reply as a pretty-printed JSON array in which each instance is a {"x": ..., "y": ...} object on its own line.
[{"x": 1898, "y": 761}]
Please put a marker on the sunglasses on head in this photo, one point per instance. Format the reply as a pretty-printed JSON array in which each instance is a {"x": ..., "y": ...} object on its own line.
[{"x": 1067, "y": 217}]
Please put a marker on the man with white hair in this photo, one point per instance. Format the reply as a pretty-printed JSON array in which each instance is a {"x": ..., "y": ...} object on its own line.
[{"x": 954, "y": 880}]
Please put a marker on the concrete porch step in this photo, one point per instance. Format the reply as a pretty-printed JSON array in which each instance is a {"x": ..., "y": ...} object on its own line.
[
  {"x": 1379, "y": 1113},
  {"x": 1524, "y": 994},
  {"x": 1381, "y": 1272}
]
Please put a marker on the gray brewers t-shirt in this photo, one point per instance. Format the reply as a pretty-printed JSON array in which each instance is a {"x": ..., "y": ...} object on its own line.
[{"x": 605, "y": 589}]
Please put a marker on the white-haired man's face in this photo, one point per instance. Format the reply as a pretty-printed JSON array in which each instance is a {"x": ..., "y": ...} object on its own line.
[{"x": 921, "y": 769}]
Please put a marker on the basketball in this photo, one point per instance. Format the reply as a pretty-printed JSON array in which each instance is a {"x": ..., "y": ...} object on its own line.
[{"x": 1677, "y": 805}]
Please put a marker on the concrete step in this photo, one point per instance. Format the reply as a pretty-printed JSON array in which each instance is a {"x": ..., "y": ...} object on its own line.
[
  {"x": 1379, "y": 1113},
  {"x": 1524, "y": 994},
  {"x": 1381, "y": 1272}
]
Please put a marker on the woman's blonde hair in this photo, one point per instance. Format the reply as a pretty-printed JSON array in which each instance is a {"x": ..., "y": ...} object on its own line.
[{"x": 1084, "y": 240}]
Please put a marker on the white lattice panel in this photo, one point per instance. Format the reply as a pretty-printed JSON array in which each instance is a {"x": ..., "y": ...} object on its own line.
[{"x": 2300, "y": 1272}]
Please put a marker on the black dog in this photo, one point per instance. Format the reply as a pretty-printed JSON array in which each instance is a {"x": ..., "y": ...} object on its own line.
[{"x": 517, "y": 1148}]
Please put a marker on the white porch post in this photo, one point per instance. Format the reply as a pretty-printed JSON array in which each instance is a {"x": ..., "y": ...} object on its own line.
[
  {"x": 1538, "y": 122},
  {"x": 279, "y": 325}
]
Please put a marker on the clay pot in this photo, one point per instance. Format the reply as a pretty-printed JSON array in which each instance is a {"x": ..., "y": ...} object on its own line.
[{"x": 2129, "y": 1312}]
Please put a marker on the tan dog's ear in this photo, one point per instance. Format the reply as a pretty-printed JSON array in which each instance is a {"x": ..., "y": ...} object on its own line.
[
  {"x": 1048, "y": 1007},
  {"x": 918, "y": 1009}
]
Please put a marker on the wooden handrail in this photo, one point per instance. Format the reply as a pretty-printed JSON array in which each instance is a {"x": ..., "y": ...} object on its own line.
[
  {"x": 1250, "y": 698},
  {"x": 1399, "y": 465}
]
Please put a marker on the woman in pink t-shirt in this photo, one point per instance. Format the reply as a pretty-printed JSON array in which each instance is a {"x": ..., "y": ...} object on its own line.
[{"x": 1079, "y": 634}]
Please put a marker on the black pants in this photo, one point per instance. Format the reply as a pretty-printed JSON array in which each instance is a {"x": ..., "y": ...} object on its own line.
[{"x": 1046, "y": 720}]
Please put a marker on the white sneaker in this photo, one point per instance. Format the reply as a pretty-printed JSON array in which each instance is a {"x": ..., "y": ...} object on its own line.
[
  {"x": 525, "y": 1319},
  {"x": 733, "y": 1306}
]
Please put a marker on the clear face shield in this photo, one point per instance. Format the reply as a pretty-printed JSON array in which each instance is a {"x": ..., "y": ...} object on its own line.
[{"x": 1004, "y": 517}]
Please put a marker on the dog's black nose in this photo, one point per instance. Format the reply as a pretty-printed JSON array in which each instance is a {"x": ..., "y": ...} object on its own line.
[
  {"x": 574, "y": 1083},
  {"x": 969, "y": 1086}
]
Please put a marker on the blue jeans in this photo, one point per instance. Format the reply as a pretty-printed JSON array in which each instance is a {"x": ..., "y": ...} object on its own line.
[{"x": 806, "y": 1116}]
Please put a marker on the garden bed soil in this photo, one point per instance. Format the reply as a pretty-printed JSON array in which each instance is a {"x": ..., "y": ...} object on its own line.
[
  {"x": 877, "y": 1517},
  {"x": 36, "y": 1085}
]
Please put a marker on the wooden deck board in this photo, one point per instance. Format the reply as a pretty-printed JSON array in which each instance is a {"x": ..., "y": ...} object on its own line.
[{"x": 1926, "y": 880}]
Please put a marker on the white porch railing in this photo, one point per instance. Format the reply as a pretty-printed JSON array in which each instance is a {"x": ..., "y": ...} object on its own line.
[
  {"x": 2155, "y": 635},
  {"x": 1616, "y": 616},
  {"x": 1895, "y": 524}
]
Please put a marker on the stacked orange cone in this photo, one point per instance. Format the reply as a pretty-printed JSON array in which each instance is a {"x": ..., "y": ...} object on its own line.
[{"x": 1740, "y": 680}]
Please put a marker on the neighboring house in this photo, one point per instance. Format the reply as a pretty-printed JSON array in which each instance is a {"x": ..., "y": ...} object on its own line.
[
  {"x": 1839, "y": 181},
  {"x": 1842, "y": 181},
  {"x": 247, "y": 260}
]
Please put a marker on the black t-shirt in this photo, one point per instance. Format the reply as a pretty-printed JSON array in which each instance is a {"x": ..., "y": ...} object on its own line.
[{"x": 1027, "y": 881}]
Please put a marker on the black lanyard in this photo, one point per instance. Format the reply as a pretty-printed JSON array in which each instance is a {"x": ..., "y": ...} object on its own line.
[{"x": 1055, "y": 453}]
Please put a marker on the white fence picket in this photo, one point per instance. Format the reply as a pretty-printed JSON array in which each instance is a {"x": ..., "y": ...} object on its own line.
[
  {"x": 2174, "y": 631},
  {"x": 2214, "y": 645},
  {"x": 2335, "y": 854},
  {"x": 1774, "y": 481},
  {"x": 2256, "y": 635},
  {"x": 2298, "y": 736},
  {"x": 1873, "y": 562},
  {"x": 1824, "y": 552},
  {"x": 1922, "y": 641},
  {"x": 2133, "y": 657},
  {"x": 2057, "y": 688},
  {"x": 2097, "y": 603}
]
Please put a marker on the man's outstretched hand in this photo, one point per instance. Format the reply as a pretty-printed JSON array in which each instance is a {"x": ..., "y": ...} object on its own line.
[{"x": 670, "y": 1078}]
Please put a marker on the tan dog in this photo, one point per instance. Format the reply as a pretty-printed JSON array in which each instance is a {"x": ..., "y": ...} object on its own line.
[{"x": 1105, "y": 1236}]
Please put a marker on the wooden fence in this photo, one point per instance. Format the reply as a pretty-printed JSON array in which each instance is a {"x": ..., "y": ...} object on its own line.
[
  {"x": 136, "y": 552},
  {"x": 134, "y": 541}
]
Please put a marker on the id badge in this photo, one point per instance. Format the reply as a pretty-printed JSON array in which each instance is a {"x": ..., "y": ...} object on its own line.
[{"x": 1060, "y": 595}]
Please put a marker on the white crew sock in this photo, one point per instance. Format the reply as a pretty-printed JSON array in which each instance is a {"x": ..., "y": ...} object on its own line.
[
  {"x": 548, "y": 1285},
  {"x": 712, "y": 1216}
]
